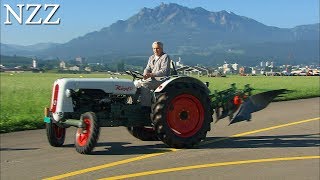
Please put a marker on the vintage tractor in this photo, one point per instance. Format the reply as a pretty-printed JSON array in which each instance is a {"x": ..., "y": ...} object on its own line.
[{"x": 181, "y": 113}]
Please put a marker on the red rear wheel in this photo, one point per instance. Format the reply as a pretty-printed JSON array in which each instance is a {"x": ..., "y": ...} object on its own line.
[
  {"x": 185, "y": 115},
  {"x": 182, "y": 114}
]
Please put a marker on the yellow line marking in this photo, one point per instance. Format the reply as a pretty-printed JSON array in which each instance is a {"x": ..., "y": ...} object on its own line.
[
  {"x": 209, "y": 165},
  {"x": 95, "y": 168},
  {"x": 261, "y": 130},
  {"x": 275, "y": 127}
]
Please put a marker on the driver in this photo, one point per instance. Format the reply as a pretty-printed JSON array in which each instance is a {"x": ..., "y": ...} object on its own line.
[{"x": 157, "y": 68}]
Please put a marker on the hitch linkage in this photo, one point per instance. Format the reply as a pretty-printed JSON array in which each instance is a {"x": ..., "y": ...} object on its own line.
[{"x": 227, "y": 102}]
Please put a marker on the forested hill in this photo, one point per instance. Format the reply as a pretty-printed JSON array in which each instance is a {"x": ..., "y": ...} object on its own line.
[{"x": 197, "y": 35}]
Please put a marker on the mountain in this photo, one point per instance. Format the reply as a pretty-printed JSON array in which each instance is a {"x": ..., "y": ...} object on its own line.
[
  {"x": 30, "y": 50},
  {"x": 196, "y": 34}
]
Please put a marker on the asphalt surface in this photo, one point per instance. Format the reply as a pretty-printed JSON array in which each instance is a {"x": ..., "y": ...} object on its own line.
[{"x": 281, "y": 142}]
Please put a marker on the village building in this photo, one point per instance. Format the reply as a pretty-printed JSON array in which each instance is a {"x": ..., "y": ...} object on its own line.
[
  {"x": 62, "y": 65},
  {"x": 74, "y": 68}
]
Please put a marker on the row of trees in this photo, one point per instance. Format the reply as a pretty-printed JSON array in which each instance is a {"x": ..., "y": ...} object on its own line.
[{"x": 25, "y": 63}]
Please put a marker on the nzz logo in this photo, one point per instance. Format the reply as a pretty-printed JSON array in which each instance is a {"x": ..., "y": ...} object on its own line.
[{"x": 30, "y": 20}]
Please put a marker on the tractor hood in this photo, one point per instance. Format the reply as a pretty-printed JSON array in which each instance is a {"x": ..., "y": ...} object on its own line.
[
  {"x": 61, "y": 101},
  {"x": 110, "y": 85}
]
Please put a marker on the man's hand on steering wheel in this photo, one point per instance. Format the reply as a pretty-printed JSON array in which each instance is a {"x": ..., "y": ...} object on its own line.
[
  {"x": 135, "y": 74},
  {"x": 148, "y": 75}
]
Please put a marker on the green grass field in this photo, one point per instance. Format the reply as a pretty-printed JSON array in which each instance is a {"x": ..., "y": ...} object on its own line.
[{"x": 24, "y": 95}]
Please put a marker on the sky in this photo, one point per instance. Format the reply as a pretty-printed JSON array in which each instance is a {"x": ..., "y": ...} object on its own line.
[{"x": 80, "y": 17}]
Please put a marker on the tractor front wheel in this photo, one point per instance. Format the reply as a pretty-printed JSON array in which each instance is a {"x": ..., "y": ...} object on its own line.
[
  {"x": 87, "y": 137},
  {"x": 182, "y": 115},
  {"x": 55, "y": 134}
]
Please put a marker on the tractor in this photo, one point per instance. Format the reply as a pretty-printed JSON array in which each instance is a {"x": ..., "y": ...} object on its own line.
[{"x": 181, "y": 113}]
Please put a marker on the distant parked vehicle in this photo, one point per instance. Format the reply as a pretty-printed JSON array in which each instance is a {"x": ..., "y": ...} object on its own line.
[
  {"x": 285, "y": 73},
  {"x": 295, "y": 73},
  {"x": 316, "y": 72},
  {"x": 300, "y": 72},
  {"x": 303, "y": 73},
  {"x": 313, "y": 72},
  {"x": 273, "y": 74}
]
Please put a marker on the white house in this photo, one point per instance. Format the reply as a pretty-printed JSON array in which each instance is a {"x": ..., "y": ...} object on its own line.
[
  {"x": 74, "y": 68},
  {"x": 34, "y": 63},
  {"x": 62, "y": 65}
]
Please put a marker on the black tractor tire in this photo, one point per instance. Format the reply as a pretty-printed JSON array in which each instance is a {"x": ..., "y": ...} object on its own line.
[
  {"x": 182, "y": 115},
  {"x": 143, "y": 133},
  {"x": 55, "y": 134},
  {"x": 87, "y": 137}
]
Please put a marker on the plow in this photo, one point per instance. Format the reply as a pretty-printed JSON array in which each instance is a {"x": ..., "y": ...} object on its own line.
[
  {"x": 239, "y": 104},
  {"x": 182, "y": 111}
]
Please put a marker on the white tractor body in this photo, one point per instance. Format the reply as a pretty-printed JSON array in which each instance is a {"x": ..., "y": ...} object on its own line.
[{"x": 61, "y": 101}]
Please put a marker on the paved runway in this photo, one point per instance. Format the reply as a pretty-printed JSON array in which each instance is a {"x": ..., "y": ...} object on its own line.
[{"x": 281, "y": 142}]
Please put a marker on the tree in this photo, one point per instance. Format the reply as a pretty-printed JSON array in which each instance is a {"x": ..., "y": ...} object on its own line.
[{"x": 120, "y": 66}]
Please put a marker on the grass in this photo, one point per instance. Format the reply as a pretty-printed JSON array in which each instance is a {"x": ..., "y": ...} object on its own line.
[
  {"x": 302, "y": 86},
  {"x": 23, "y": 96}
]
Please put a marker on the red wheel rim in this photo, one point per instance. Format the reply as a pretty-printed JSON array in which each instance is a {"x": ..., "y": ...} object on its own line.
[
  {"x": 58, "y": 131},
  {"x": 185, "y": 115},
  {"x": 83, "y": 134}
]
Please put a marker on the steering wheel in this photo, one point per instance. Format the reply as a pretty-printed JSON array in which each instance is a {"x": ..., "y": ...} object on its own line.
[{"x": 135, "y": 74}]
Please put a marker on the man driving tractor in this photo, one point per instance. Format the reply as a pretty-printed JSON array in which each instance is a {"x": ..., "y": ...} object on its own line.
[{"x": 158, "y": 67}]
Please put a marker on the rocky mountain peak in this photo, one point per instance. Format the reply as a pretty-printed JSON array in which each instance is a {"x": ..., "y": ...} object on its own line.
[{"x": 176, "y": 16}]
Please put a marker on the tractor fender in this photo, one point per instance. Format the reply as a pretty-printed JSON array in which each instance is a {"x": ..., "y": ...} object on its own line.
[{"x": 185, "y": 79}]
